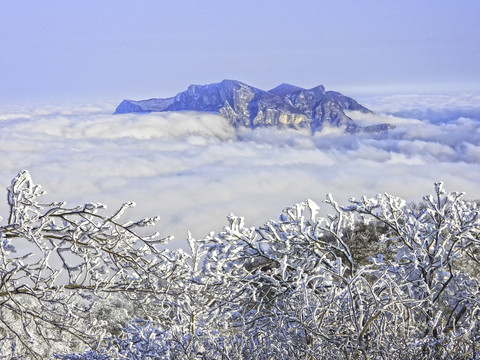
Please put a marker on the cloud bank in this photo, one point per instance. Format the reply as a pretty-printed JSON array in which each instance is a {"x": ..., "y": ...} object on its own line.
[{"x": 193, "y": 169}]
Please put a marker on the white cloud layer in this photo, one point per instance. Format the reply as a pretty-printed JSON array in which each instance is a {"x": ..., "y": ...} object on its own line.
[{"x": 192, "y": 169}]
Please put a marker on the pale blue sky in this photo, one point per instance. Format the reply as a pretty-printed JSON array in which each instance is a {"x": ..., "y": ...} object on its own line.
[{"x": 106, "y": 50}]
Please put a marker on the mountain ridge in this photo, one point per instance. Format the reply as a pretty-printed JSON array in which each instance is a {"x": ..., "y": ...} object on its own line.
[{"x": 243, "y": 105}]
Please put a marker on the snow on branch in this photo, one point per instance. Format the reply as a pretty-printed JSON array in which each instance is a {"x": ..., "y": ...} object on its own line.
[{"x": 379, "y": 278}]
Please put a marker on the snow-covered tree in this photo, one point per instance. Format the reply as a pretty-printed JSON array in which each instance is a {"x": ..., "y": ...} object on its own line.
[
  {"x": 380, "y": 278},
  {"x": 58, "y": 262},
  {"x": 435, "y": 247}
]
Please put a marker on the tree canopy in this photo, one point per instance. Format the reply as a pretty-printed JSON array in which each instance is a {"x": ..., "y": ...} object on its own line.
[{"x": 379, "y": 278}]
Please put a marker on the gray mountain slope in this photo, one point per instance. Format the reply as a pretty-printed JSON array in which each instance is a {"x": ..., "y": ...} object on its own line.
[{"x": 244, "y": 105}]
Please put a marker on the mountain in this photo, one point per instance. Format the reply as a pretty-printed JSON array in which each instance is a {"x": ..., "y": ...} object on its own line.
[{"x": 244, "y": 105}]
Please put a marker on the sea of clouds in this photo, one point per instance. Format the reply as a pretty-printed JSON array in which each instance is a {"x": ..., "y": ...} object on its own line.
[{"x": 192, "y": 169}]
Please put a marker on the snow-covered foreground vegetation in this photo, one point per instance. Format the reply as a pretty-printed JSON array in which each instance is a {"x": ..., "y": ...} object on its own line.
[{"x": 380, "y": 278}]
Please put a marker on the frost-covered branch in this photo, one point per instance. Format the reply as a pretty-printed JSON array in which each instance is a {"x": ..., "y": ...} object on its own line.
[
  {"x": 378, "y": 279},
  {"x": 57, "y": 261}
]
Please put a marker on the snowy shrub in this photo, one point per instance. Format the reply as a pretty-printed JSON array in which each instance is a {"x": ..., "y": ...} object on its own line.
[
  {"x": 57, "y": 263},
  {"x": 377, "y": 279}
]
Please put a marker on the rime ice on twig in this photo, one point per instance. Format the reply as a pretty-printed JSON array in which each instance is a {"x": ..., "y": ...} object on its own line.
[{"x": 380, "y": 278}]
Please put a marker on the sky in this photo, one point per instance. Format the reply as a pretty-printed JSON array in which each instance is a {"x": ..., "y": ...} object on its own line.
[
  {"x": 65, "y": 66},
  {"x": 109, "y": 50}
]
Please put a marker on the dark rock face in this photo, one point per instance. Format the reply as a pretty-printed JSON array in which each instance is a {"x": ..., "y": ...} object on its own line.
[
  {"x": 244, "y": 105},
  {"x": 129, "y": 106}
]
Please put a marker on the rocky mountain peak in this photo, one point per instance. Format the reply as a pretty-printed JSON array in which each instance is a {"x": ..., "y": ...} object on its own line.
[
  {"x": 244, "y": 105},
  {"x": 284, "y": 89}
]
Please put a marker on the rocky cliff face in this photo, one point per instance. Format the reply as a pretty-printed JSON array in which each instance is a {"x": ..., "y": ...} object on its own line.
[{"x": 244, "y": 105}]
